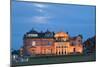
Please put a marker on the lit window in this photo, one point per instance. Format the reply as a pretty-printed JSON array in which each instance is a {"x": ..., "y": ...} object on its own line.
[
  {"x": 33, "y": 43},
  {"x": 32, "y": 35}
]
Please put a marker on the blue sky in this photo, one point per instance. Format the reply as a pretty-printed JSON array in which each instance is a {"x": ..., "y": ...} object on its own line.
[{"x": 75, "y": 19}]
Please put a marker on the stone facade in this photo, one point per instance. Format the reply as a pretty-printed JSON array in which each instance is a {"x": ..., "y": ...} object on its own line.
[{"x": 50, "y": 43}]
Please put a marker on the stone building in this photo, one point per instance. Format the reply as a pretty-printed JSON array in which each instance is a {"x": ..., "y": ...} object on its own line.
[{"x": 50, "y": 43}]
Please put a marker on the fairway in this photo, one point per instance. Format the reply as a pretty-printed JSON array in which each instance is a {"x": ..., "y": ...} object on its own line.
[{"x": 56, "y": 59}]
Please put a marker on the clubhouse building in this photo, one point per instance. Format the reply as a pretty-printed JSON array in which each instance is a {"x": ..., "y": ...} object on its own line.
[{"x": 50, "y": 43}]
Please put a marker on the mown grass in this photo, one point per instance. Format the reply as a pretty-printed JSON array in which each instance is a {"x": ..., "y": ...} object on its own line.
[{"x": 56, "y": 59}]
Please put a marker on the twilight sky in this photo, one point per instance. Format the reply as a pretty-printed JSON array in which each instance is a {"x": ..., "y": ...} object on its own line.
[{"x": 75, "y": 19}]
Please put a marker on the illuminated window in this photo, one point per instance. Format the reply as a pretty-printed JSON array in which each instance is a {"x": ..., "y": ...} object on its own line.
[
  {"x": 32, "y": 35},
  {"x": 33, "y": 43},
  {"x": 64, "y": 39}
]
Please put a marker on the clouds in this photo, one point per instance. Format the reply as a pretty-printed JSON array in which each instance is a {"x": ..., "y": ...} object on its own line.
[
  {"x": 43, "y": 17},
  {"x": 40, "y": 10},
  {"x": 40, "y": 5},
  {"x": 40, "y": 19}
]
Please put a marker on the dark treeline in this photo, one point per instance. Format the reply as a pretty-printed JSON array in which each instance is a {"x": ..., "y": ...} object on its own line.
[{"x": 90, "y": 45}]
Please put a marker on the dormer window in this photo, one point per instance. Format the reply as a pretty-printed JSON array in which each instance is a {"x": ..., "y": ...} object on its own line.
[{"x": 32, "y": 35}]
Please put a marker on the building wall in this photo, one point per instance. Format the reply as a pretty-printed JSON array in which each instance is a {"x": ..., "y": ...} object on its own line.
[
  {"x": 79, "y": 48},
  {"x": 39, "y": 41},
  {"x": 61, "y": 48},
  {"x": 41, "y": 50},
  {"x": 50, "y": 46},
  {"x": 47, "y": 50},
  {"x": 56, "y": 49}
]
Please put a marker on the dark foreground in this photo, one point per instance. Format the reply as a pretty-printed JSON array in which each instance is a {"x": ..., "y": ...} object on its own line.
[{"x": 56, "y": 60}]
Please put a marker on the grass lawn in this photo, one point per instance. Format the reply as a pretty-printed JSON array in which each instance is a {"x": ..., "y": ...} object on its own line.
[{"x": 56, "y": 59}]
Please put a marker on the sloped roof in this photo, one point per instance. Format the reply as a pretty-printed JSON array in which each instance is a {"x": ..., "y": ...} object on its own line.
[{"x": 61, "y": 34}]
